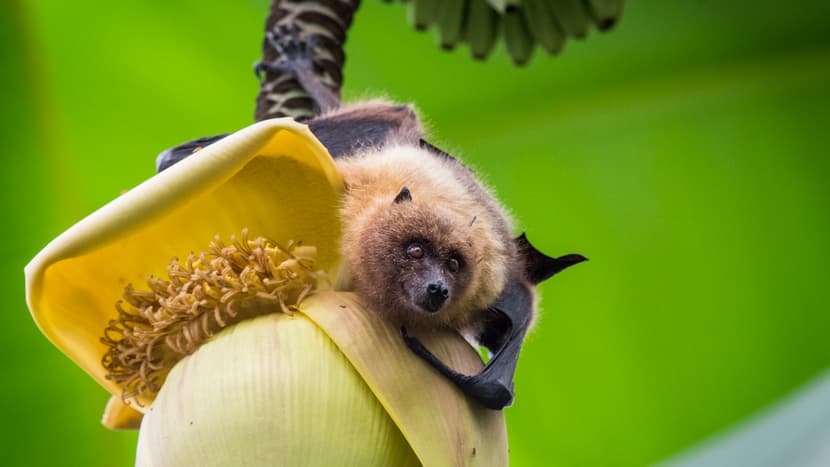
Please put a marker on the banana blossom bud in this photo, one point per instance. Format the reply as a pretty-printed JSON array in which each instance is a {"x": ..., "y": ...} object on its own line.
[{"x": 314, "y": 380}]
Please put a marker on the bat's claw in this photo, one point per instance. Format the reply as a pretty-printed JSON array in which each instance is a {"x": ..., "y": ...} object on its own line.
[
  {"x": 494, "y": 395},
  {"x": 294, "y": 50},
  {"x": 259, "y": 69}
]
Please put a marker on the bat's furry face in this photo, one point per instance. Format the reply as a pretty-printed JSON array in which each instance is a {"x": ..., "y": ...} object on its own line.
[
  {"x": 416, "y": 263},
  {"x": 430, "y": 257}
]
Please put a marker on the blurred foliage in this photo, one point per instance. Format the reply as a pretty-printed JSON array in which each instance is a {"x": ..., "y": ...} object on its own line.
[
  {"x": 684, "y": 153},
  {"x": 795, "y": 431}
]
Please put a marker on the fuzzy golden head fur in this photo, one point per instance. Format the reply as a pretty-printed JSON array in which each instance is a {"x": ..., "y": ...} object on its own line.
[{"x": 463, "y": 235}]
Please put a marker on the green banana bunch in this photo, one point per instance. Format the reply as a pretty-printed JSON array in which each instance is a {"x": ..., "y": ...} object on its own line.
[{"x": 525, "y": 23}]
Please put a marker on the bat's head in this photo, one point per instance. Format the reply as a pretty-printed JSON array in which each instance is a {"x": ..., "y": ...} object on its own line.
[{"x": 421, "y": 263}]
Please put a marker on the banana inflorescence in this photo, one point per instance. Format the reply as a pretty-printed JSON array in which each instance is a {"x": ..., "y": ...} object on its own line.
[{"x": 524, "y": 23}]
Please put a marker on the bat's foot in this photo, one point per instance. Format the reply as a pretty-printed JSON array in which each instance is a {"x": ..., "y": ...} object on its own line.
[
  {"x": 295, "y": 51},
  {"x": 484, "y": 387}
]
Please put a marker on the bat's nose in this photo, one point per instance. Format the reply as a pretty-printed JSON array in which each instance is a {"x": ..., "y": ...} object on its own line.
[
  {"x": 438, "y": 290},
  {"x": 437, "y": 293}
]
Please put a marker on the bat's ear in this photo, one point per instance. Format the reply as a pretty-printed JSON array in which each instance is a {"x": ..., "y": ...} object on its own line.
[
  {"x": 424, "y": 144},
  {"x": 404, "y": 195},
  {"x": 540, "y": 267}
]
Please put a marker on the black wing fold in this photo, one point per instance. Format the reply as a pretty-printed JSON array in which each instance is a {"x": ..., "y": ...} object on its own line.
[
  {"x": 170, "y": 156},
  {"x": 493, "y": 385}
]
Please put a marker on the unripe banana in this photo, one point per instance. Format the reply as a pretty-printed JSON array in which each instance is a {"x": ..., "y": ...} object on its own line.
[
  {"x": 422, "y": 13},
  {"x": 543, "y": 25},
  {"x": 605, "y": 13},
  {"x": 450, "y": 22},
  {"x": 481, "y": 28},
  {"x": 572, "y": 17},
  {"x": 517, "y": 38}
]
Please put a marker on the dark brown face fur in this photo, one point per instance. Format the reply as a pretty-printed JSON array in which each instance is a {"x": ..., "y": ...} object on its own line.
[{"x": 415, "y": 264}]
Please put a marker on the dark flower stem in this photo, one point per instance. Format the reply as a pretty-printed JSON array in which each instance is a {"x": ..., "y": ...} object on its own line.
[{"x": 323, "y": 25}]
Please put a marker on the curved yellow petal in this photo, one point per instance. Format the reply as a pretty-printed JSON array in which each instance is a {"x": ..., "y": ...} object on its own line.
[
  {"x": 120, "y": 416},
  {"x": 273, "y": 178},
  {"x": 272, "y": 390},
  {"x": 439, "y": 422}
]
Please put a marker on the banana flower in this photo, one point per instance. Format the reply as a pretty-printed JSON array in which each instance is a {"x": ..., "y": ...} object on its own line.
[{"x": 323, "y": 381}]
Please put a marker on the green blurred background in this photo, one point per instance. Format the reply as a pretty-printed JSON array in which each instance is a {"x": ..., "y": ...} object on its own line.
[{"x": 685, "y": 152}]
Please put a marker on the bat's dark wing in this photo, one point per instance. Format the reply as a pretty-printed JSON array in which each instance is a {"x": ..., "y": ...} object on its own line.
[
  {"x": 343, "y": 133},
  {"x": 504, "y": 333},
  {"x": 493, "y": 385},
  {"x": 172, "y": 155},
  {"x": 540, "y": 267},
  {"x": 370, "y": 125}
]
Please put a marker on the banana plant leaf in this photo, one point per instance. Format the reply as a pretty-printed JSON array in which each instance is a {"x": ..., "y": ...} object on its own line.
[
  {"x": 795, "y": 431},
  {"x": 684, "y": 152}
]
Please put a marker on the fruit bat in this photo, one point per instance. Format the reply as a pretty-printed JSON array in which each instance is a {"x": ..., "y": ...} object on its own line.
[{"x": 426, "y": 243}]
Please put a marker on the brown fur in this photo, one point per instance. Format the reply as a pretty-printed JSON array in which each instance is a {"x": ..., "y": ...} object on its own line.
[{"x": 450, "y": 209}]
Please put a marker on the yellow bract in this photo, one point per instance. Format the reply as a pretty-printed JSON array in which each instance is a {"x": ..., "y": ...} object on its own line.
[{"x": 275, "y": 179}]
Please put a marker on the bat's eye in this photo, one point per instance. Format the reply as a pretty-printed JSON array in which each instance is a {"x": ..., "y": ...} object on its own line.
[
  {"x": 415, "y": 251},
  {"x": 453, "y": 265}
]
